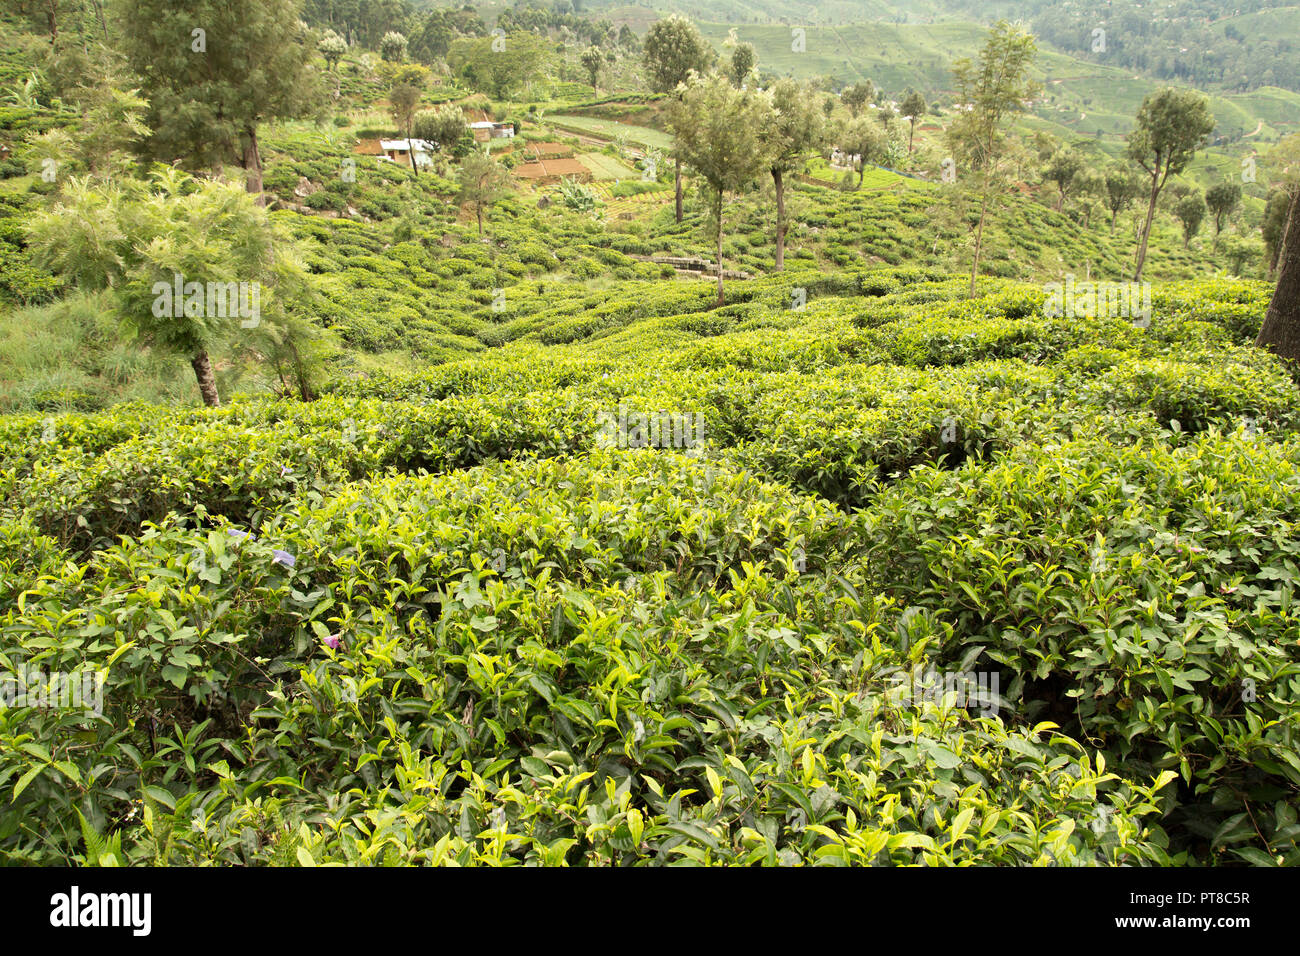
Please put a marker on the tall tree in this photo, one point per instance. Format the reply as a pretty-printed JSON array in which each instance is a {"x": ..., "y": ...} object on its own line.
[
  {"x": 857, "y": 96},
  {"x": 1281, "y": 329},
  {"x": 593, "y": 61},
  {"x": 408, "y": 87},
  {"x": 1122, "y": 187},
  {"x": 1273, "y": 225},
  {"x": 393, "y": 47},
  {"x": 719, "y": 133},
  {"x": 1190, "y": 211},
  {"x": 672, "y": 50},
  {"x": 1061, "y": 170},
  {"x": 214, "y": 71},
  {"x": 1090, "y": 192},
  {"x": 865, "y": 142},
  {"x": 913, "y": 107},
  {"x": 1222, "y": 199},
  {"x": 44, "y": 14},
  {"x": 795, "y": 127},
  {"x": 205, "y": 246},
  {"x": 743, "y": 61},
  {"x": 1172, "y": 124},
  {"x": 500, "y": 65},
  {"x": 992, "y": 89},
  {"x": 444, "y": 126},
  {"x": 92, "y": 79},
  {"x": 482, "y": 182},
  {"x": 332, "y": 47}
]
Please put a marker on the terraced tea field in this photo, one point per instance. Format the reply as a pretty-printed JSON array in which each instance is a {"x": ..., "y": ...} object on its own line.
[{"x": 881, "y": 579}]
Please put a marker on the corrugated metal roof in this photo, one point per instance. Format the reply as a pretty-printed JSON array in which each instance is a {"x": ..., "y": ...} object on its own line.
[{"x": 400, "y": 144}]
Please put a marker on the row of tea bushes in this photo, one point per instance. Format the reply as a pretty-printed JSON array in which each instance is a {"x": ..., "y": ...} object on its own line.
[
  {"x": 431, "y": 618},
  {"x": 1140, "y": 596},
  {"x": 580, "y": 706},
  {"x": 244, "y": 461},
  {"x": 89, "y": 478}
]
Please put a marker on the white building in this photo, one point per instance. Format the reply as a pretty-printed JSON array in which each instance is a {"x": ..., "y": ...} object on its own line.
[
  {"x": 399, "y": 151},
  {"x": 483, "y": 130}
]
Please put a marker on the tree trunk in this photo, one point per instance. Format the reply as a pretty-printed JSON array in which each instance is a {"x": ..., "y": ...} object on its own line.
[
  {"x": 1280, "y": 332},
  {"x": 300, "y": 374},
  {"x": 678, "y": 179},
  {"x": 478, "y": 211},
  {"x": 1114, "y": 214},
  {"x": 202, "y": 366},
  {"x": 1060, "y": 200},
  {"x": 1146, "y": 229},
  {"x": 719, "y": 247},
  {"x": 910, "y": 133},
  {"x": 410, "y": 148},
  {"x": 979, "y": 243},
  {"x": 252, "y": 163},
  {"x": 779, "y": 182}
]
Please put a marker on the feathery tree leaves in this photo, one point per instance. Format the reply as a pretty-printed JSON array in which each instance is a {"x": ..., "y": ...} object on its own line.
[{"x": 193, "y": 264}]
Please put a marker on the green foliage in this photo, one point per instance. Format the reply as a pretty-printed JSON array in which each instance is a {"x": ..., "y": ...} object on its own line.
[
  {"x": 1222, "y": 199},
  {"x": 500, "y": 65},
  {"x": 743, "y": 62},
  {"x": 393, "y": 47},
  {"x": 672, "y": 48},
  {"x": 719, "y": 134},
  {"x": 578, "y": 196},
  {"x": 143, "y": 240},
  {"x": 1191, "y": 213},
  {"x": 1155, "y": 632},
  {"x": 440, "y": 599},
  {"x": 483, "y": 181},
  {"x": 451, "y": 607},
  {"x": 444, "y": 126},
  {"x": 332, "y": 47},
  {"x": 205, "y": 102},
  {"x": 857, "y": 96}
]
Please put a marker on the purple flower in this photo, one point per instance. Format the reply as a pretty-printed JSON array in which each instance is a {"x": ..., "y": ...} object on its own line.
[
  {"x": 283, "y": 557},
  {"x": 332, "y": 641},
  {"x": 236, "y": 533}
]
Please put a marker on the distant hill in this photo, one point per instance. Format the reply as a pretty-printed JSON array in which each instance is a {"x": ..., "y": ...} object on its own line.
[
  {"x": 1213, "y": 45},
  {"x": 1082, "y": 98}
]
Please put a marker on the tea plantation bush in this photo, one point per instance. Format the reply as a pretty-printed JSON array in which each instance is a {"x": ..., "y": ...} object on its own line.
[{"x": 473, "y": 615}]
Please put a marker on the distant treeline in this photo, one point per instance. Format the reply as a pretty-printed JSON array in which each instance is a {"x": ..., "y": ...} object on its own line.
[
  {"x": 1205, "y": 43},
  {"x": 430, "y": 33}
]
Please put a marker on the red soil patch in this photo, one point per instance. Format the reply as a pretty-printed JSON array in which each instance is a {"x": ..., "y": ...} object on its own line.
[
  {"x": 549, "y": 150},
  {"x": 553, "y": 170}
]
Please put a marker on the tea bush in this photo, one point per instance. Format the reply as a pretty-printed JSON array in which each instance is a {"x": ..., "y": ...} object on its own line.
[
  {"x": 457, "y": 616},
  {"x": 1139, "y": 595}
]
